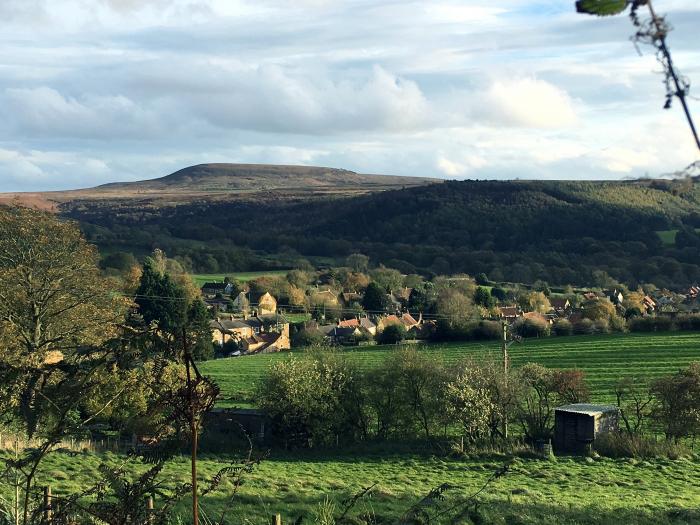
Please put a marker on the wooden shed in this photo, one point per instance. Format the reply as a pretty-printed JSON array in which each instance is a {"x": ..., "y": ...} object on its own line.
[
  {"x": 577, "y": 426},
  {"x": 235, "y": 423}
]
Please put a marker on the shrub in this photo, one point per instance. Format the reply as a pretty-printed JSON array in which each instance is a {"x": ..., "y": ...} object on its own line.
[
  {"x": 584, "y": 327},
  {"x": 601, "y": 326},
  {"x": 392, "y": 334},
  {"x": 531, "y": 327},
  {"x": 313, "y": 400},
  {"x": 307, "y": 338},
  {"x": 487, "y": 331},
  {"x": 563, "y": 327},
  {"x": 618, "y": 324},
  {"x": 623, "y": 445},
  {"x": 651, "y": 324},
  {"x": 688, "y": 322}
]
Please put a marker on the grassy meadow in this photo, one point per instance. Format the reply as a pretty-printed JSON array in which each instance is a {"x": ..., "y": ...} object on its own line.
[
  {"x": 565, "y": 490},
  {"x": 202, "y": 278},
  {"x": 534, "y": 491},
  {"x": 604, "y": 358}
]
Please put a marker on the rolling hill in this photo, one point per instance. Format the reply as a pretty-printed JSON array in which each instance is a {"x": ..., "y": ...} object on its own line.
[
  {"x": 223, "y": 182},
  {"x": 235, "y": 178}
]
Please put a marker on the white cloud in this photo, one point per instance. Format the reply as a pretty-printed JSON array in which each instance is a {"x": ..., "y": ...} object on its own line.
[
  {"x": 43, "y": 111},
  {"x": 276, "y": 99},
  {"x": 528, "y": 102},
  {"x": 97, "y": 90}
]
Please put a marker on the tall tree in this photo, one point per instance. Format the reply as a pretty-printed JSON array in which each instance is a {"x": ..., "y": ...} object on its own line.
[
  {"x": 57, "y": 315},
  {"x": 375, "y": 299}
]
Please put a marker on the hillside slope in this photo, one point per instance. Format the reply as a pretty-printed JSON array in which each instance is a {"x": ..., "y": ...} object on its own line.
[{"x": 558, "y": 231}]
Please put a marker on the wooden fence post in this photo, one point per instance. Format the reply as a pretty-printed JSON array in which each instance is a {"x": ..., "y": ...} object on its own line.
[
  {"x": 150, "y": 514},
  {"x": 48, "y": 515},
  {"x": 277, "y": 519}
]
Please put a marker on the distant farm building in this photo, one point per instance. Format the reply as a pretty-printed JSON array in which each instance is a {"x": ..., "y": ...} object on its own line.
[{"x": 577, "y": 426}]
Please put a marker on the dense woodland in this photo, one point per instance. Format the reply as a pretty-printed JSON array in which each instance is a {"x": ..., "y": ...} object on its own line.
[{"x": 521, "y": 231}]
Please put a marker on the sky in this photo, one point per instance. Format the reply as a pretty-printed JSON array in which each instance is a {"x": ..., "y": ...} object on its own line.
[{"x": 96, "y": 91}]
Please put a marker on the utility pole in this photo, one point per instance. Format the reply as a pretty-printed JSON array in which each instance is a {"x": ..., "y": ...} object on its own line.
[
  {"x": 193, "y": 429},
  {"x": 506, "y": 341},
  {"x": 504, "y": 348}
]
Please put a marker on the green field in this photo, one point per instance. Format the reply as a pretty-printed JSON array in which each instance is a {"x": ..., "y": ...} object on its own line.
[
  {"x": 668, "y": 237},
  {"x": 535, "y": 491},
  {"x": 202, "y": 278},
  {"x": 604, "y": 358}
]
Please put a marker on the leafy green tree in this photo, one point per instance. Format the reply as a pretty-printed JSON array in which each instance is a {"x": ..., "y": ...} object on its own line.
[
  {"x": 470, "y": 404},
  {"x": 161, "y": 301},
  {"x": 543, "y": 390},
  {"x": 599, "y": 309},
  {"x": 392, "y": 334},
  {"x": 421, "y": 388},
  {"x": 200, "y": 332},
  {"x": 314, "y": 401},
  {"x": 482, "y": 279},
  {"x": 307, "y": 338},
  {"x": 677, "y": 409},
  {"x": 387, "y": 278},
  {"x": 59, "y": 323},
  {"x": 499, "y": 293},
  {"x": 121, "y": 261},
  {"x": 358, "y": 262},
  {"x": 375, "y": 298},
  {"x": 483, "y": 297}
]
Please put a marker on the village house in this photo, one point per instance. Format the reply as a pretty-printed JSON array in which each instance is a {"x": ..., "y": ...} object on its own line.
[
  {"x": 343, "y": 336},
  {"x": 508, "y": 313},
  {"x": 536, "y": 316},
  {"x": 241, "y": 303},
  {"x": 212, "y": 289},
  {"x": 615, "y": 296},
  {"x": 219, "y": 305},
  {"x": 350, "y": 298},
  {"x": 367, "y": 325},
  {"x": 649, "y": 304},
  {"x": 266, "y": 304},
  {"x": 224, "y": 330},
  {"x": 364, "y": 324},
  {"x": 253, "y": 334},
  {"x": 561, "y": 305},
  {"x": 406, "y": 320}
]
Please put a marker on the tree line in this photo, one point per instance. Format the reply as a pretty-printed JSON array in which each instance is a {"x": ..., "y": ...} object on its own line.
[{"x": 323, "y": 399}]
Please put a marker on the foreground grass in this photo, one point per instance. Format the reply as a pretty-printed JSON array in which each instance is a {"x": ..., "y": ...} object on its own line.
[
  {"x": 568, "y": 490},
  {"x": 604, "y": 358}
]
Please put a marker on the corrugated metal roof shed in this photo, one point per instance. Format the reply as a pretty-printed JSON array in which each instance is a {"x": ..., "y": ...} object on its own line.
[{"x": 588, "y": 409}]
